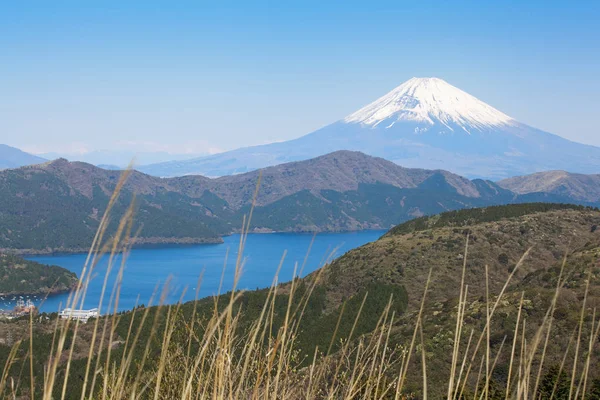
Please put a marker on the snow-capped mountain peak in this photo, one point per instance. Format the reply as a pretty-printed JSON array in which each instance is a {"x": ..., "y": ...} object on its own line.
[
  {"x": 430, "y": 101},
  {"x": 423, "y": 123}
]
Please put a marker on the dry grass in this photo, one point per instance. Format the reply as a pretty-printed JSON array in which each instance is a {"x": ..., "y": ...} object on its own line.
[{"x": 262, "y": 361}]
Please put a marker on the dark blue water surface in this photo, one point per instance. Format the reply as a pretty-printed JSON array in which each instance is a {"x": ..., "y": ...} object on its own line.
[{"x": 148, "y": 267}]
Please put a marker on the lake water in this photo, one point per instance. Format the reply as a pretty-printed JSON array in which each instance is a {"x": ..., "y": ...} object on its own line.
[{"x": 147, "y": 268}]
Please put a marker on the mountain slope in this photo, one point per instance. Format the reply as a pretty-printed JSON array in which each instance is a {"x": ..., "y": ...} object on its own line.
[
  {"x": 576, "y": 186},
  {"x": 11, "y": 157},
  {"x": 405, "y": 254},
  {"x": 498, "y": 238},
  {"x": 423, "y": 123}
]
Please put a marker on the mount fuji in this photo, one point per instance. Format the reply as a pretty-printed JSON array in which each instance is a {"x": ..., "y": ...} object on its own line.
[{"x": 423, "y": 123}]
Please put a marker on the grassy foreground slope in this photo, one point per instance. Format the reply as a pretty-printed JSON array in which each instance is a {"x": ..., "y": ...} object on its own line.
[
  {"x": 363, "y": 310},
  {"x": 498, "y": 237}
]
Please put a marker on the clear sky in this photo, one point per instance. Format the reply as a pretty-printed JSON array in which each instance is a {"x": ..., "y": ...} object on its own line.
[{"x": 199, "y": 76}]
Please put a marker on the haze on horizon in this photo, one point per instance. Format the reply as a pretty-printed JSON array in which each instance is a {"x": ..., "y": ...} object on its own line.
[{"x": 194, "y": 78}]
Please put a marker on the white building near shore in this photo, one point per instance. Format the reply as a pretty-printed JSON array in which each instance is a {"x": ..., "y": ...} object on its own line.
[{"x": 81, "y": 315}]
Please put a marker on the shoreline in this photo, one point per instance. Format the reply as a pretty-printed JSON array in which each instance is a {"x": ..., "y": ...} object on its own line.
[
  {"x": 157, "y": 241},
  {"x": 42, "y": 293},
  {"x": 262, "y": 231},
  {"x": 140, "y": 243}
]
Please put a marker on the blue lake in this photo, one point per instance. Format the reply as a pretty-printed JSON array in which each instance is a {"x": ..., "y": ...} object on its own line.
[{"x": 149, "y": 268}]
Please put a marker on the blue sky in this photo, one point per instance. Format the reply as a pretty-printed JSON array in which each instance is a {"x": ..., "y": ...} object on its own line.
[{"x": 206, "y": 76}]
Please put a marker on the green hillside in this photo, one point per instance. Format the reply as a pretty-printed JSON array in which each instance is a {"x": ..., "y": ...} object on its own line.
[
  {"x": 478, "y": 215},
  {"x": 20, "y": 276},
  {"x": 40, "y": 212}
]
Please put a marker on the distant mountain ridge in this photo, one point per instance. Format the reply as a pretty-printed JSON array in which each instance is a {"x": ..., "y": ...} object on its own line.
[
  {"x": 576, "y": 186},
  {"x": 423, "y": 123},
  {"x": 340, "y": 171},
  {"x": 11, "y": 157},
  {"x": 57, "y": 205},
  {"x": 120, "y": 157}
]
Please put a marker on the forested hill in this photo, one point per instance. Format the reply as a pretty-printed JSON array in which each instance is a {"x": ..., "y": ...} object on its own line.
[
  {"x": 57, "y": 206},
  {"x": 20, "y": 276},
  {"x": 472, "y": 216},
  {"x": 498, "y": 238}
]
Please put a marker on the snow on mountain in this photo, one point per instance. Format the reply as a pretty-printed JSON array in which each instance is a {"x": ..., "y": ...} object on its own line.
[
  {"x": 423, "y": 123},
  {"x": 430, "y": 100}
]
